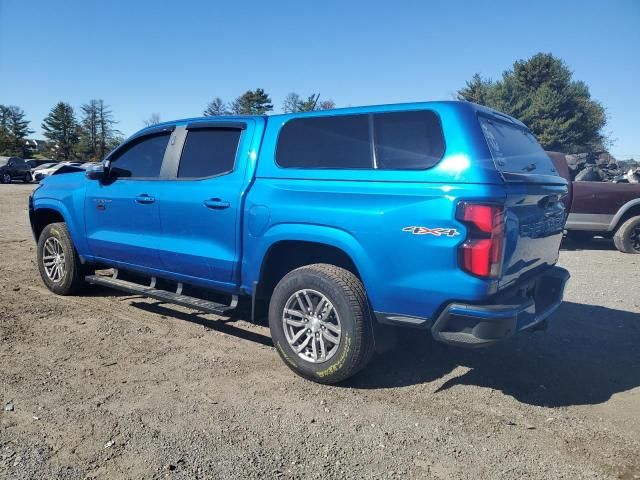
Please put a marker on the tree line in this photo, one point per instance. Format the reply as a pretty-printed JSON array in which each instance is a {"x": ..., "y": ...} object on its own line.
[
  {"x": 68, "y": 137},
  {"x": 539, "y": 91},
  {"x": 258, "y": 102}
]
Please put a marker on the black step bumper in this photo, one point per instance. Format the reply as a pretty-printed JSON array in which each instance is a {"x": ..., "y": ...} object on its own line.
[{"x": 524, "y": 307}]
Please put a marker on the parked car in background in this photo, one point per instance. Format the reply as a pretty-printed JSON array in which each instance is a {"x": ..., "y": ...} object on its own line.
[
  {"x": 37, "y": 162},
  {"x": 444, "y": 216},
  {"x": 35, "y": 171},
  {"x": 14, "y": 168},
  {"x": 607, "y": 209},
  {"x": 50, "y": 169}
]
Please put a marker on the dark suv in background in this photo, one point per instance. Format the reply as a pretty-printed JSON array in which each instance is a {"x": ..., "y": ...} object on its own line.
[{"x": 12, "y": 168}]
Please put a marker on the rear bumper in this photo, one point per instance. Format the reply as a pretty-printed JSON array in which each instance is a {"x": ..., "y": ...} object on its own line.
[{"x": 523, "y": 307}]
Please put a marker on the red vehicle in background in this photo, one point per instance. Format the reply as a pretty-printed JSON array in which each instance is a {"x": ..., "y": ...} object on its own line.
[{"x": 607, "y": 209}]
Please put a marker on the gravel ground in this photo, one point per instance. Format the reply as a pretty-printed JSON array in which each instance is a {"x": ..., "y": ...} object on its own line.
[{"x": 113, "y": 386}]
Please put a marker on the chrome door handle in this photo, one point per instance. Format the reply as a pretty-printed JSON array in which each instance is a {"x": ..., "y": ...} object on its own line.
[
  {"x": 216, "y": 204},
  {"x": 144, "y": 198}
]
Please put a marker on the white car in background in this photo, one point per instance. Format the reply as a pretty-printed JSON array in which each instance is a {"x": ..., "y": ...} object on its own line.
[{"x": 47, "y": 170}]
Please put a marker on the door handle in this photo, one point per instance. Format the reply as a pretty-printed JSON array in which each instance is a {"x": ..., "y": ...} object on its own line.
[
  {"x": 144, "y": 198},
  {"x": 216, "y": 204}
]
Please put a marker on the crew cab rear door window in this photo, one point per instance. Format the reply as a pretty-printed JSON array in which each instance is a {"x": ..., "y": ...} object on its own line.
[
  {"x": 515, "y": 149},
  {"x": 410, "y": 140},
  {"x": 340, "y": 141},
  {"x": 143, "y": 159},
  {"x": 209, "y": 152}
]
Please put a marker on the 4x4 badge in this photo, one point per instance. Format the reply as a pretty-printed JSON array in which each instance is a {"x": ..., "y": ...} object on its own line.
[{"x": 438, "y": 232}]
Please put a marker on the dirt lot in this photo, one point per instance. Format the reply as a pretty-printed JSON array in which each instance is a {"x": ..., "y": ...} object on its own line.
[{"x": 112, "y": 386}]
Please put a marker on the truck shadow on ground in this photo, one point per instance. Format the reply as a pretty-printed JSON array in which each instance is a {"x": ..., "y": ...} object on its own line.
[
  {"x": 223, "y": 325},
  {"x": 593, "y": 244},
  {"x": 588, "y": 354}
]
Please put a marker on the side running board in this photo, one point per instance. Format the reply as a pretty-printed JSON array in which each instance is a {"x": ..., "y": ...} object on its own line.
[{"x": 163, "y": 295}]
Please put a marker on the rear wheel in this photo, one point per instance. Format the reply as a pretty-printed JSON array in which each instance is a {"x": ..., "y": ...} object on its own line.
[
  {"x": 627, "y": 237},
  {"x": 58, "y": 261},
  {"x": 320, "y": 323},
  {"x": 27, "y": 178}
]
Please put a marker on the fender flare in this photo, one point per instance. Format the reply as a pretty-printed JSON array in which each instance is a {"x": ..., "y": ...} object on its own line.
[
  {"x": 304, "y": 232},
  {"x": 621, "y": 211},
  {"x": 58, "y": 206}
]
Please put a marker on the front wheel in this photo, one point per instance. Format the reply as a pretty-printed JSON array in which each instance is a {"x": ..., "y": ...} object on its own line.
[
  {"x": 58, "y": 261},
  {"x": 6, "y": 177},
  {"x": 320, "y": 323},
  {"x": 627, "y": 237}
]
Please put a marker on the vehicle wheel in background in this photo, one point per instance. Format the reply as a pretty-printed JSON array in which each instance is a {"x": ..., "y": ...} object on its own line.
[
  {"x": 627, "y": 237},
  {"x": 27, "y": 178},
  {"x": 5, "y": 178},
  {"x": 320, "y": 322},
  {"x": 58, "y": 261}
]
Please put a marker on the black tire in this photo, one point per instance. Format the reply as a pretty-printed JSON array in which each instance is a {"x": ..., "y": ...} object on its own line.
[
  {"x": 72, "y": 279},
  {"x": 627, "y": 237},
  {"x": 27, "y": 178},
  {"x": 347, "y": 295},
  {"x": 5, "y": 177}
]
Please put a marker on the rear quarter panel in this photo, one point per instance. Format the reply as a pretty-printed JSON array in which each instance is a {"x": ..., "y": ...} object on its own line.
[{"x": 403, "y": 272}]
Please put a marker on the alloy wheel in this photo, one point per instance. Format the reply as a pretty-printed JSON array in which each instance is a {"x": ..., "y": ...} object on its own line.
[
  {"x": 53, "y": 259},
  {"x": 311, "y": 326}
]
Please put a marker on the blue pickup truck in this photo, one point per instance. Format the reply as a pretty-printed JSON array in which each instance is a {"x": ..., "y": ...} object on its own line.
[{"x": 340, "y": 224}]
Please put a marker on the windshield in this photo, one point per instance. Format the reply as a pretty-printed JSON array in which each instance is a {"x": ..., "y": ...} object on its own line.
[
  {"x": 3, "y": 161},
  {"x": 515, "y": 149}
]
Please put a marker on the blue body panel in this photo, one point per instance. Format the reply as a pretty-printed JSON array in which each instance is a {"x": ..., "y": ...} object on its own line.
[{"x": 364, "y": 213}]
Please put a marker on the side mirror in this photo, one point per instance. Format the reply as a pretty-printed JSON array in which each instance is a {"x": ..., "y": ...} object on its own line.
[{"x": 96, "y": 172}]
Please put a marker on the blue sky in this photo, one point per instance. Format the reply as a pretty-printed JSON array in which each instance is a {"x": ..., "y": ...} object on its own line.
[{"x": 173, "y": 57}]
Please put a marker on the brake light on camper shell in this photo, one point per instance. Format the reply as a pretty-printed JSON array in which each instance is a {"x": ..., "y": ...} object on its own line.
[{"x": 482, "y": 252}]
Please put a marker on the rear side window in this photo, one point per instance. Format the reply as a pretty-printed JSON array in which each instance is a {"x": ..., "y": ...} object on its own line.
[
  {"x": 390, "y": 141},
  {"x": 325, "y": 142},
  {"x": 143, "y": 159},
  {"x": 515, "y": 149},
  {"x": 407, "y": 140},
  {"x": 209, "y": 152}
]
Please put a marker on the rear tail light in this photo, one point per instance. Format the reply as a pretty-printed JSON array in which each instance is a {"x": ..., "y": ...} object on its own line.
[{"x": 481, "y": 254}]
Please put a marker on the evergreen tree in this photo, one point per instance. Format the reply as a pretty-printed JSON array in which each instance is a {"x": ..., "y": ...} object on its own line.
[
  {"x": 62, "y": 131},
  {"x": 4, "y": 132},
  {"x": 88, "y": 145},
  {"x": 477, "y": 90},
  {"x": 96, "y": 130},
  {"x": 255, "y": 102},
  {"x": 310, "y": 104},
  {"x": 216, "y": 107},
  {"x": 14, "y": 130},
  {"x": 106, "y": 130},
  {"x": 541, "y": 93}
]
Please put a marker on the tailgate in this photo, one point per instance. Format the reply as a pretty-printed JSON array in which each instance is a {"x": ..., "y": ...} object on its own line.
[
  {"x": 534, "y": 221},
  {"x": 535, "y": 210}
]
